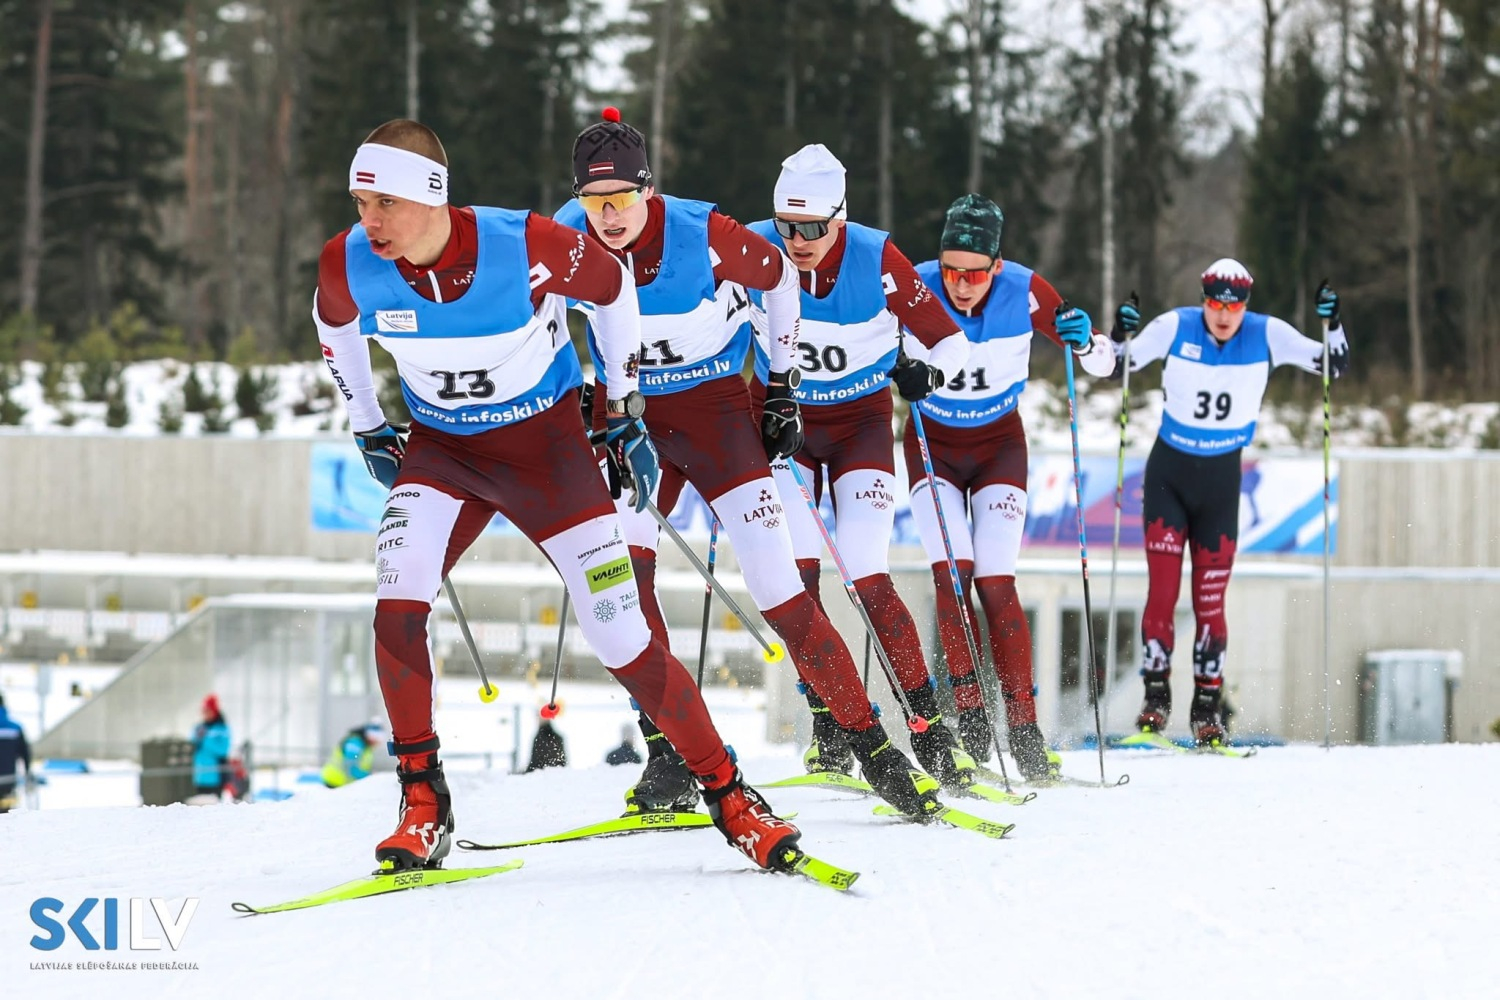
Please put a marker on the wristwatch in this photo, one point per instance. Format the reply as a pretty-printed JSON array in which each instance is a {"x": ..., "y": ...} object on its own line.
[
  {"x": 791, "y": 378},
  {"x": 633, "y": 405}
]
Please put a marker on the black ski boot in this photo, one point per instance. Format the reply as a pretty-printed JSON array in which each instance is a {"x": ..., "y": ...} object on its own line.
[
  {"x": 936, "y": 747},
  {"x": 890, "y": 773},
  {"x": 1208, "y": 730},
  {"x": 829, "y": 752},
  {"x": 1157, "y": 707},
  {"x": 976, "y": 732},
  {"x": 666, "y": 785},
  {"x": 1036, "y": 762}
]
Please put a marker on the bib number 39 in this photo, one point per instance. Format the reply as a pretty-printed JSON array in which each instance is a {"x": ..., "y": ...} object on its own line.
[{"x": 1218, "y": 405}]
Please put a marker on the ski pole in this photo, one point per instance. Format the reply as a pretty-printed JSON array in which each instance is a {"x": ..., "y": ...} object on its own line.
[
  {"x": 1327, "y": 542},
  {"x": 914, "y": 722},
  {"x": 487, "y": 693},
  {"x": 1083, "y": 552},
  {"x": 708, "y": 598},
  {"x": 867, "y": 661},
  {"x": 1111, "y": 652},
  {"x": 773, "y": 651},
  {"x": 958, "y": 590},
  {"x": 549, "y": 710}
]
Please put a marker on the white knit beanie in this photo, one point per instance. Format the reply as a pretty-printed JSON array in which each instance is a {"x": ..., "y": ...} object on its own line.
[{"x": 811, "y": 183}]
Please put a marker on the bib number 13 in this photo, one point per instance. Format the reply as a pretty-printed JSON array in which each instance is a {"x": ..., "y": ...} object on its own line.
[
  {"x": 1217, "y": 405},
  {"x": 479, "y": 385}
]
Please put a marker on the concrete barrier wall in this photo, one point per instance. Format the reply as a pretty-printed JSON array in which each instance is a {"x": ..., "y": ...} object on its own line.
[{"x": 249, "y": 497}]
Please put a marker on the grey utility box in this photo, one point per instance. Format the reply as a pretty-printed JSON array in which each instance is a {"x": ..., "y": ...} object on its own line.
[
  {"x": 1406, "y": 695},
  {"x": 166, "y": 771}
]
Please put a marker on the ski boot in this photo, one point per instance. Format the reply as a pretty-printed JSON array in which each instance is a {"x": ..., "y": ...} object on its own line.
[
  {"x": 1204, "y": 715},
  {"x": 665, "y": 785},
  {"x": 890, "y": 773},
  {"x": 745, "y": 819},
  {"x": 829, "y": 752},
  {"x": 424, "y": 833},
  {"x": 976, "y": 732},
  {"x": 936, "y": 748},
  {"x": 1157, "y": 707},
  {"x": 1036, "y": 762}
]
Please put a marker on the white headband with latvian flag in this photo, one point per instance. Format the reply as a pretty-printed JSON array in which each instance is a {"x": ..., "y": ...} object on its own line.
[{"x": 399, "y": 172}]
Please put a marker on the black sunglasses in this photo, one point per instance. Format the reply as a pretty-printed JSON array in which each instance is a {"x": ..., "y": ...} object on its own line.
[{"x": 814, "y": 230}]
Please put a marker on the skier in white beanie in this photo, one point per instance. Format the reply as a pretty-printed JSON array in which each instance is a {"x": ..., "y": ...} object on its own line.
[{"x": 858, "y": 292}]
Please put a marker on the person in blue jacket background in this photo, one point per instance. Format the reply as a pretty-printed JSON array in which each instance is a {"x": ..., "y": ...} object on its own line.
[
  {"x": 210, "y": 749},
  {"x": 13, "y": 748},
  {"x": 354, "y": 757}
]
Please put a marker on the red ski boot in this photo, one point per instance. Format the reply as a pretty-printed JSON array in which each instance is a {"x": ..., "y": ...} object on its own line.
[
  {"x": 423, "y": 835},
  {"x": 745, "y": 819}
]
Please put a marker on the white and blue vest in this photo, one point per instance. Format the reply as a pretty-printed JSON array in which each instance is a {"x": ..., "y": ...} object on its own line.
[
  {"x": 483, "y": 360},
  {"x": 848, "y": 339},
  {"x": 692, "y": 331},
  {"x": 1213, "y": 393},
  {"x": 999, "y": 362}
]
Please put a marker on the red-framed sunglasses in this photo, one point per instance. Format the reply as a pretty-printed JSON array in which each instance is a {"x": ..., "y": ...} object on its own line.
[
  {"x": 967, "y": 275},
  {"x": 1214, "y": 305}
]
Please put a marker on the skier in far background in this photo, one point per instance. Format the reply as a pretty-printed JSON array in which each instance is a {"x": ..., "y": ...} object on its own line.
[
  {"x": 979, "y": 454},
  {"x": 13, "y": 750},
  {"x": 858, "y": 292},
  {"x": 1217, "y": 358}
]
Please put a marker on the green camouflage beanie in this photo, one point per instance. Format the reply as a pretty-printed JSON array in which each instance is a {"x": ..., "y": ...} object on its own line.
[{"x": 973, "y": 223}]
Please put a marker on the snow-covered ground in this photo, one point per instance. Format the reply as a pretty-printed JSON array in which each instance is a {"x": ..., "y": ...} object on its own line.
[
  {"x": 305, "y": 386},
  {"x": 1300, "y": 873}
]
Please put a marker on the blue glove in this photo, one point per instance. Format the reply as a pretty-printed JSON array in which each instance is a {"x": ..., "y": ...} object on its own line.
[
  {"x": 1127, "y": 319},
  {"x": 1074, "y": 327},
  {"x": 632, "y": 461},
  {"x": 383, "y": 450},
  {"x": 1328, "y": 305}
]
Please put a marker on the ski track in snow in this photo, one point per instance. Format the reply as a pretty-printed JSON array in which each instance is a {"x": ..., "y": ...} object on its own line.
[{"x": 1360, "y": 872}]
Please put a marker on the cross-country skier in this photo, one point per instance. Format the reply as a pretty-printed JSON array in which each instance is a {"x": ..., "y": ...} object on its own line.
[
  {"x": 858, "y": 291},
  {"x": 470, "y": 302},
  {"x": 979, "y": 454},
  {"x": 692, "y": 266},
  {"x": 1216, "y": 359}
]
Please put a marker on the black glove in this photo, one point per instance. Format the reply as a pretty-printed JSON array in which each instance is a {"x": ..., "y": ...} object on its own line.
[
  {"x": 1328, "y": 305},
  {"x": 383, "y": 450},
  {"x": 916, "y": 379},
  {"x": 586, "y": 403},
  {"x": 780, "y": 419},
  {"x": 1127, "y": 319}
]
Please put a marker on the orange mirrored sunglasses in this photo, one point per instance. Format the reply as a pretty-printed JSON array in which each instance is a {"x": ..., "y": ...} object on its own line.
[
  {"x": 621, "y": 200},
  {"x": 967, "y": 275},
  {"x": 1216, "y": 306}
]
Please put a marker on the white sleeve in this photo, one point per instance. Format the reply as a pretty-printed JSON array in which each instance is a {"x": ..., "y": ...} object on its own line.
[
  {"x": 1098, "y": 359},
  {"x": 1153, "y": 342},
  {"x": 949, "y": 354},
  {"x": 348, "y": 358},
  {"x": 617, "y": 332},
  {"x": 783, "y": 309},
  {"x": 1289, "y": 347}
]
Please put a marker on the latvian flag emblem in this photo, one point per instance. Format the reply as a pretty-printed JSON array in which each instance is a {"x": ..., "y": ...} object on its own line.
[
  {"x": 364, "y": 177},
  {"x": 602, "y": 167},
  {"x": 796, "y": 203}
]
